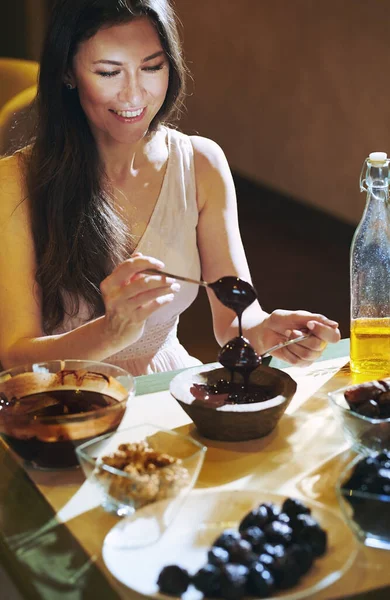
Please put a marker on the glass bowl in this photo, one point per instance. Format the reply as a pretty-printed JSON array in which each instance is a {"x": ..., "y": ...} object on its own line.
[
  {"x": 366, "y": 511},
  {"x": 234, "y": 422},
  {"x": 143, "y": 466},
  {"x": 367, "y": 435},
  {"x": 48, "y": 408}
]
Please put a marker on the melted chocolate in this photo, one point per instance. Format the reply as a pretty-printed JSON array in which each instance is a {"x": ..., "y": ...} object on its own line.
[
  {"x": 237, "y": 355},
  {"x": 59, "y": 402},
  {"x": 59, "y": 451},
  {"x": 225, "y": 392},
  {"x": 234, "y": 293}
]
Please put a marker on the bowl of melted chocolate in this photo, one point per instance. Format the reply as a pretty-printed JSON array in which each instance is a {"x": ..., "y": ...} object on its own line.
[
  {"x": 244, "y": 399},
  {"x": 236, "y": 410},
  {"x": 48, "y": 409}
]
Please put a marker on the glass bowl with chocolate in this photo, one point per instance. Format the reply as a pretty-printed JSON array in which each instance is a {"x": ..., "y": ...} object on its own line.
[
  {"x": 363, "y": 492},
  {"x": 141, "y": 466},
  {"x": 364, "y": 413},
  {"x": 47, "y": 409},
  {"x": 237, "y": 410}
]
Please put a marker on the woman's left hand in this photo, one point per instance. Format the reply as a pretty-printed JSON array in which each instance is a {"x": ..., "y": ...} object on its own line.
[{"x": 281, "y": 325}]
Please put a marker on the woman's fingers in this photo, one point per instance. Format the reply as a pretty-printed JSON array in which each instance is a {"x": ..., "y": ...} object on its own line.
[
  {"x": 311, "y": 343},
  {"x": 304, "y": 352},
  {"x": 128, "y": 283},
  {"x": 132, "y": 314},
  {"x": 291, "y": 324},
  {"x": 138, "y": 287},
  {"x": 127, "y": 271},
  {"x": 146, "y": 310},
  {"x": 134, "y": 296},
  {"x": 131, "y": 296},
  {"x": 324, "y": 332},
  {"x": 126, "y": 317}
]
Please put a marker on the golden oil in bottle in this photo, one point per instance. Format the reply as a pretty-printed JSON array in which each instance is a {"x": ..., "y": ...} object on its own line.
[
  {"x": 370, "y": 273},
  {"x": 370, "y": 346}
]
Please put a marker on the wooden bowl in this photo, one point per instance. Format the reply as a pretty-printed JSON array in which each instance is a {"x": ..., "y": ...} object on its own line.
[{"x": 234, "y": 422}]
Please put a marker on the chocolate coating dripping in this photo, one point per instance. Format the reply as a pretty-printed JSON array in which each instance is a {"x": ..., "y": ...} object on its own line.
[
  {"x": 235, "y": 293},
  {"x": 237, "y": 355}
]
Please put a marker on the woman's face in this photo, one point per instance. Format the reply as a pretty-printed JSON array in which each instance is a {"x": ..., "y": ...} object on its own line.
[{"x": 121, "y": 74}]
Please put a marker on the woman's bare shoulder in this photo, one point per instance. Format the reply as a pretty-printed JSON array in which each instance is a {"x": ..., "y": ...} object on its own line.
[
  {"x": 212, "y": 172},
  {"x": 207, "y": 152}
]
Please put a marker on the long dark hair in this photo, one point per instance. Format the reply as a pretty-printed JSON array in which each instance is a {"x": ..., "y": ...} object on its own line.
[{"x": 79, "y": 237}]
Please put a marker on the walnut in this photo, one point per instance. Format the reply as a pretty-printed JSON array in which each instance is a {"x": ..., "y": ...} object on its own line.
[{"x": 148, "y": 475}]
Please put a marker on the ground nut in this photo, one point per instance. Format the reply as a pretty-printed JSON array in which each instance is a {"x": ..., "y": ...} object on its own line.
[{"x": 148, "y": 475}]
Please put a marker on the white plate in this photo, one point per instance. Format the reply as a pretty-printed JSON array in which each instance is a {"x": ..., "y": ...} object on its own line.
[
  {"x": 319, "y": 484},
  {"x": 202, "y": 518}
]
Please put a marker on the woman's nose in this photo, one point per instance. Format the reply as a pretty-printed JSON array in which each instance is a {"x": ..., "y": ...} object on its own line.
[{"x": 131, "y": 92}]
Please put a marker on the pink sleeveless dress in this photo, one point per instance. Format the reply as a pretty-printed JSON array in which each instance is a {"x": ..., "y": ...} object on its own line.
[{"x": 171, "y": 237}]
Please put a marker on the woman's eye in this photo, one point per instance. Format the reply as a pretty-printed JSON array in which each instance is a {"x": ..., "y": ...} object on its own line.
[
  {"x": 108, "y": 73},
  {"x": 153, "y": 69}
]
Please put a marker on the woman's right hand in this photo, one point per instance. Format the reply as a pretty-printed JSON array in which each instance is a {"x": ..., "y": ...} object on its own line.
[{"x": 131, "y": 296}]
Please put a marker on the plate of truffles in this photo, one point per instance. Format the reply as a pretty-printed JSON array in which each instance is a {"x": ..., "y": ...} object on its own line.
[{"x": 238, "y": 544}]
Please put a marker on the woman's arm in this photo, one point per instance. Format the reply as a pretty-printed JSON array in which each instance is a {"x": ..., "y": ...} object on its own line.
[
  {"x": 129, "y": 297},
  {"x": 222, "y": 253}
]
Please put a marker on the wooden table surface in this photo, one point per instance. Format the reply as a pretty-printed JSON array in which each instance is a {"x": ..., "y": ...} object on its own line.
[{"x": 52, "y": 527}]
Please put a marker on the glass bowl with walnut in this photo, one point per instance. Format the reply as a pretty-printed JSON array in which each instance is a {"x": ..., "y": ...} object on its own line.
[{"x": 141, "y": 465}]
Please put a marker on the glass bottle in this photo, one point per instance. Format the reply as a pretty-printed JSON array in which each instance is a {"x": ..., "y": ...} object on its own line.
[{"x": 370, "y": 273}]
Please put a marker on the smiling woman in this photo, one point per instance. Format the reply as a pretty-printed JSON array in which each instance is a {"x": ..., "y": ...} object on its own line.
[
  {"x": 120, "y": 83},
  {"x": 108, "y": 189}
]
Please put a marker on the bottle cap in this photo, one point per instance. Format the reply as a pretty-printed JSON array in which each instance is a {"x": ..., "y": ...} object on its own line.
[{"x": 378, "y": 157}]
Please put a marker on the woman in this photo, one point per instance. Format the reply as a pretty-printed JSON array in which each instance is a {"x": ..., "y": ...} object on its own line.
[{"x": 107, "y": 190}]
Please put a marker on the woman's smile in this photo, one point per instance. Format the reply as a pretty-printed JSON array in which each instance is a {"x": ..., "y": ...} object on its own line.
[
  {"x": 121, "y": 75},
  {"x": 129, "y": 116}
]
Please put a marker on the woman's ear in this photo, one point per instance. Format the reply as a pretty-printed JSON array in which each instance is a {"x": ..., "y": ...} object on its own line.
[{"x": 69, "y": 82}]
